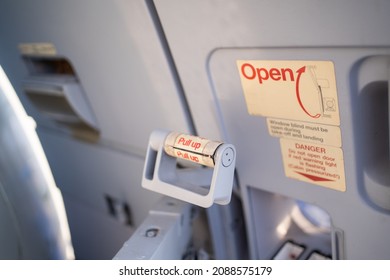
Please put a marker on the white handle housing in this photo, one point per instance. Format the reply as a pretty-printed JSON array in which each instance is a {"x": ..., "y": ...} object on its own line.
[{"x": 200, "y": 186}]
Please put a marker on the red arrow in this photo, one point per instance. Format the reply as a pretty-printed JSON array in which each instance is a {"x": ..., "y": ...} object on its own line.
[
  {"x": 300, "y": 71},
  {"x": 314, "y": 178}
]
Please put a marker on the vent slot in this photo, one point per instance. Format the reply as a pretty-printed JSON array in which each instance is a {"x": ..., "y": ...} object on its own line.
[
  {"x": 49, "y": 66},
  {"x": 56, "y": 92}
]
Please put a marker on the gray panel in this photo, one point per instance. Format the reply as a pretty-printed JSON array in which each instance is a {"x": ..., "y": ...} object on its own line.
[
  {"x": 349, "y": 33},
  {"x": 121, "y": 67},
  {"x": 116, "y": 54}
]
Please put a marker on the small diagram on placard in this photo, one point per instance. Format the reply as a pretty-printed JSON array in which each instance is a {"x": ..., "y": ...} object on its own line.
[
  {"x": 329, "y": 104},
  {"x": 313, "y": 84}
]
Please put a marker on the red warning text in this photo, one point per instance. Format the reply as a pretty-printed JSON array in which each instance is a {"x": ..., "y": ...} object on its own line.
[
  {"x": 310, "y": 148},
  {"x": 263, "y": 74},
  {"x": 189, "y": 143},
  {"x": 187, "y": 155}
]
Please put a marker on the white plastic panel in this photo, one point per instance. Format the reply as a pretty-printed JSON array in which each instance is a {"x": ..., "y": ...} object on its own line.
[
  {"x": 164, "y": 235},
  {"x": 345, "y": 33},
  {"x": 207, "y": 26},
  {"x": 260, "y": 162},
  {"x": 116, "y": 54},
  {"x": 120, "y": 64}
]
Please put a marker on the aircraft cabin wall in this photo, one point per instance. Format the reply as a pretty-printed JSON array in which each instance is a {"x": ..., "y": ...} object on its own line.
[
  {"x": 94, "y": 76},
  {"x": 300, "y": 89}
]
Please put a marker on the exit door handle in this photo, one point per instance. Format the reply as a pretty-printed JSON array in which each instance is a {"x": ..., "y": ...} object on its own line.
[{"x": 197, "y": 184}]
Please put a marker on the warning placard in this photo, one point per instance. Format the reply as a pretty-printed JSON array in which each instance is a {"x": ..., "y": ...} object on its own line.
[
  {"x": 314, "y": 163},
  {"x": 293, "y": 90},
  {"x": 299, "y": 99}
]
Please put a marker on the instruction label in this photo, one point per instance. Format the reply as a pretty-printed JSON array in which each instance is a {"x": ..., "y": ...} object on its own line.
[
  {"x": 299, "y": 99},
  {"x": 310, "y": 132},
  {"x": 313, "y": 163},
  {"x": 294, "y": 90}
]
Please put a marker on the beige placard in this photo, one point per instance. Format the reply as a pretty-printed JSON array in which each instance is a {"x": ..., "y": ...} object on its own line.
[
  {"x": 302, "y": 131},
  {"x": 46, "y": 49},
  {"x": 295, "y": 90},
  {"x": 317, "y": 164}
]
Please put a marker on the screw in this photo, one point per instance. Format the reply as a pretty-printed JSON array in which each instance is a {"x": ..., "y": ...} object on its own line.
[
  {"x": 227, "y": 157},
  {"x": 150, "y": 233}
]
